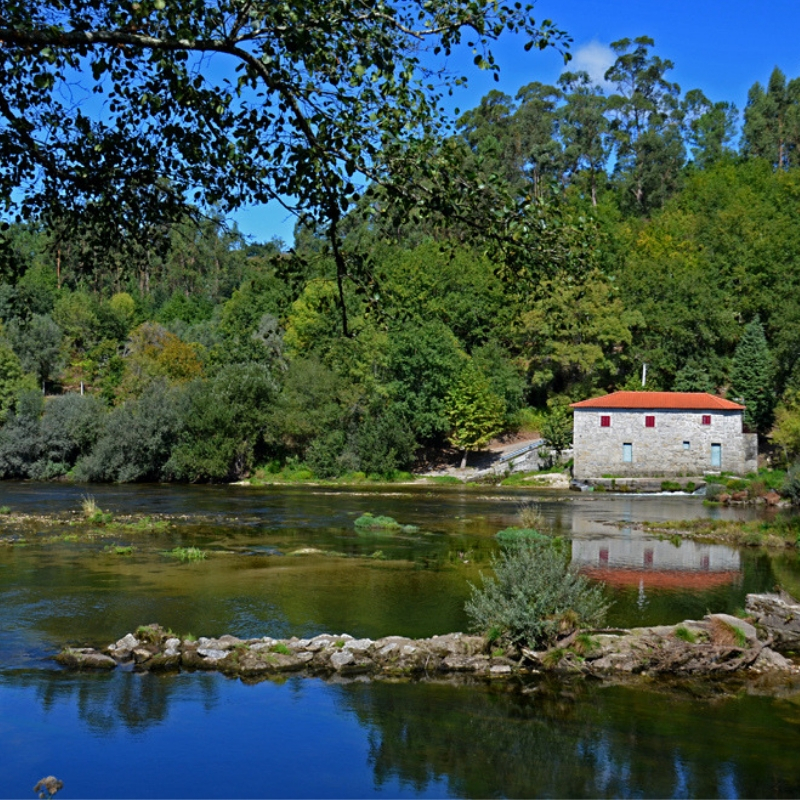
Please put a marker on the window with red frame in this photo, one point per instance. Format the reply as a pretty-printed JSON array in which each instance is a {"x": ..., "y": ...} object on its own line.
[
  {"x": 605, "y": 421},
  {"x": 706, "y": 419},
  {"x": 649, "y": 421}
]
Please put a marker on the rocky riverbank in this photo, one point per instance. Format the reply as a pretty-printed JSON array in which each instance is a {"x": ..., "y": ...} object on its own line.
[{"x": 718, "y": 644}]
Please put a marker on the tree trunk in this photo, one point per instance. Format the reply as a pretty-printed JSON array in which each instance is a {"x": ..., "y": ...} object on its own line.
[
  {"x": 463, "y": 460},
  {"x": 333, "y": 236}
]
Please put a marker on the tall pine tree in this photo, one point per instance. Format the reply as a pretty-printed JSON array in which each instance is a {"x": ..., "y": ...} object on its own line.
[{"x": 751, "y": 376}]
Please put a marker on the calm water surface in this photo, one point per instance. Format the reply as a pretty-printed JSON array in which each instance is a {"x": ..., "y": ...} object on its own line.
[{"x": 129, "y": 735}]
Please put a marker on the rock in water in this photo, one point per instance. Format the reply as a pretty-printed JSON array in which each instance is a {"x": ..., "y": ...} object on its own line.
[
  {"x": 48, "y": 787},
  {"x": 779, "y": 616}
]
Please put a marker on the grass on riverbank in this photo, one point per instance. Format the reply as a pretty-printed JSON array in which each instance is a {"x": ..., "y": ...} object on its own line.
[{"x": 780, "y": 532}]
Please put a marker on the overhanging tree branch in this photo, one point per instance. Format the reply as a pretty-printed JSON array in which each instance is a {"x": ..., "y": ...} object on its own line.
[{"x": 315, "y": 92}]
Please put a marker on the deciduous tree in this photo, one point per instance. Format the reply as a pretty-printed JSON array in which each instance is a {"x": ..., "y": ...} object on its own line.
[
  {"x": 645, "y": 123},
  {"x": 225, "y": 101},
  {"x": 584, "y": 129},
  {"x": 710, "y": 128},
  {"x": 474, "y": 411}
]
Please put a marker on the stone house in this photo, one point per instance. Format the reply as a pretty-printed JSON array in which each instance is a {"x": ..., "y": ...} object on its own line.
[{"x": 661, "y": 434}]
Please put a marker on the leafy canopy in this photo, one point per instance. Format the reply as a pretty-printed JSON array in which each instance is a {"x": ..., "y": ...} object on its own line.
[{"x": 224, "y": 101}]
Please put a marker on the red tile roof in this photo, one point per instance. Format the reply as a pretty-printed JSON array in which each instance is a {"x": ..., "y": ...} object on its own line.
[{"x": 676, "y": 401}]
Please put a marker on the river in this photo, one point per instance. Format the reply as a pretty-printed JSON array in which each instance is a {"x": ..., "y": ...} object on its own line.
[{"x": 200, "y": 735}]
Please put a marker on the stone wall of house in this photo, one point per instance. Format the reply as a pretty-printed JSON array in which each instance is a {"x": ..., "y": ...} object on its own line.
[{"x": 679, "y": 444}]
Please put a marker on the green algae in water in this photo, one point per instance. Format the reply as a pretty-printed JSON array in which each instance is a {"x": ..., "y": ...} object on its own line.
[
  {"x": 381, "y": 524},
  {"x": 120, "y": 549},
  {"x": 514, "y": 535},
  {"x": 186, "y": 553}
]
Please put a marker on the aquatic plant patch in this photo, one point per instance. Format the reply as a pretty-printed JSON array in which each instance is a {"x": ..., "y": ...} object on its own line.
[
  {"x": 120, "y": 550},
  {"x": 186, "y": 553},
  {"x": 780, "y": 532},
  {"x": 382, "y": 524},
  {"x": 515, "y": 535}
]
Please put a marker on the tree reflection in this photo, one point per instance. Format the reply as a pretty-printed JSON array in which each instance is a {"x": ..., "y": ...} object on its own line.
[
  {"x": 107, "y": 702},
  {"x": 573, "y": 739}
]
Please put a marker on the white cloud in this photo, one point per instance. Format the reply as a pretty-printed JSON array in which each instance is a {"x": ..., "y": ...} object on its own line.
[{"x": 594, "y": 58}]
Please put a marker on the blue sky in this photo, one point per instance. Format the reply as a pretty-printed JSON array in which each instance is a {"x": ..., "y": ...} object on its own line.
[{"x": 719, "y": 47}]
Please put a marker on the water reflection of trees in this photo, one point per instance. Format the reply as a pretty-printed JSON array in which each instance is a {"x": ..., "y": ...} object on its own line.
[
  {"x": 574, "y": 740},
  {"x": 107, "y": 702}
]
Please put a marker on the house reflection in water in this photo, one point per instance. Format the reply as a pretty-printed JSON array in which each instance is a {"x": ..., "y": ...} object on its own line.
[{"x": 654, "y": 564}]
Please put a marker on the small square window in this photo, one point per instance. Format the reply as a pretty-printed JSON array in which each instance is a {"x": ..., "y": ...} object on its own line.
[
  {"x": 649, "y": 421},
  {"x": 687, "y": 446},
  {"x": 605, "y": 421},
  {"x": 706, "y": 419}
]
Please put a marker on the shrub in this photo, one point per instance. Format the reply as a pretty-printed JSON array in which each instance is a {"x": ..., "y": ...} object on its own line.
[
  {"x": 535, "y": 595},
  {"x": 69, "y": 429},
  {"x": 383, "y": 443},
  {"x": 137, "y": 438},
  {"x": 223, "y": 424},
  {"x": 329, "y": 456},
  {"x": 736, "y": 485},
  {"x": 791, "y": 484}
]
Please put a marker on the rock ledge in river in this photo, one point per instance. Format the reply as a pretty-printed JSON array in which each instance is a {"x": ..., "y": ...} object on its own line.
[{"x": 717, "y": 644}]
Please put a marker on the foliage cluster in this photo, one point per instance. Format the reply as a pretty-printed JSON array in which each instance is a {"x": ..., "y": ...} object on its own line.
[{"x": 535, "y": 595}]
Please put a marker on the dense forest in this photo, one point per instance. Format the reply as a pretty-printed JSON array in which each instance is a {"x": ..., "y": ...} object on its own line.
[{"x": 577, "y": 234}]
